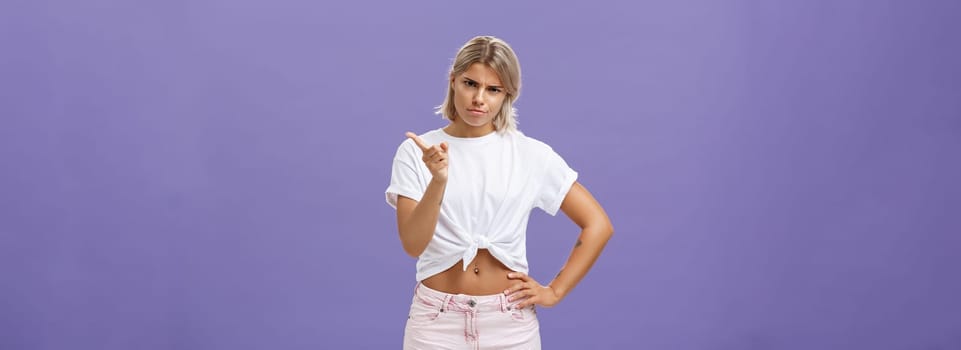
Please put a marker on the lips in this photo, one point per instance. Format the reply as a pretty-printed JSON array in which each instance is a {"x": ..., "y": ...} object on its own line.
[{"x": 476, "y": 112}]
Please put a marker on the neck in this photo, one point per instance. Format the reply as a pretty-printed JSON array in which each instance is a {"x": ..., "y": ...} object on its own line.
[{"x": 458, "y": 128}]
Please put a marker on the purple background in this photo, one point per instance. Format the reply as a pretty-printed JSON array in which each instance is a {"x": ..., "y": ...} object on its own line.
[{"x": 209, "y": 174}]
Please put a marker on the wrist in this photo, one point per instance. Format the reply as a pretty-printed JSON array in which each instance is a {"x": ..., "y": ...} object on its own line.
[{"x": 558, "y": 293}]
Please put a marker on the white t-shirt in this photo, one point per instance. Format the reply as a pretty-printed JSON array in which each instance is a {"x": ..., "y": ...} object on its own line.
[{"x": 493, "y": 183}]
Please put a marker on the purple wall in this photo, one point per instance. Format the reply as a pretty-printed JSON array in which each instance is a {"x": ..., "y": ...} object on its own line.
[{"x": 209, "y": 174}]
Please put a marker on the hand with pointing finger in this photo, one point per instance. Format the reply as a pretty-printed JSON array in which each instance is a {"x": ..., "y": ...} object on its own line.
[{"x": 435, "y": 157}]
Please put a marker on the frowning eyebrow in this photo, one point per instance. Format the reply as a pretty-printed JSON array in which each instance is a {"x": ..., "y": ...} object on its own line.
[{"x": 475, "y": 81}]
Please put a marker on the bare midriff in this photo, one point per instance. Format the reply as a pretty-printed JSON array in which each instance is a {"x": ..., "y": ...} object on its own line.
[{"x": 484, "y": 276}]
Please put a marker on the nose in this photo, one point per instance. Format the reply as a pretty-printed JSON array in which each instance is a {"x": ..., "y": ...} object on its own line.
[{"x": 478, "y": 99}]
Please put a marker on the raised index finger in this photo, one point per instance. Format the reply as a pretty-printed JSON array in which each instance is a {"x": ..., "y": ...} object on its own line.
[{"x": 420, "y": 143}]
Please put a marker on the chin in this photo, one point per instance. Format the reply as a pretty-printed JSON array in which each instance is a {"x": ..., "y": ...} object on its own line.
[{"x": 476, "y": 124}]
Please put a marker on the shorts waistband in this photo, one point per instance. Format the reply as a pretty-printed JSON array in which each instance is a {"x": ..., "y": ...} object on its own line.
[{"x": 493, "y": 302}]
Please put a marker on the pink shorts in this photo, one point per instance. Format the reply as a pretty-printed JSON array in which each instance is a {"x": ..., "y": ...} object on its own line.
[{"x": 438, "y": 320}]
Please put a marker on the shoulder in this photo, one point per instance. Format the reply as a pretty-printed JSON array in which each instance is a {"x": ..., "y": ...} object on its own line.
[
  {"x": 406, "y": 147},
  {"x": 431, "y": 137},
  {"x": 531, "y": 145}
]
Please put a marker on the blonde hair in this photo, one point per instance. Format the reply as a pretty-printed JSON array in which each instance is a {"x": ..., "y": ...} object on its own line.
[{"x": 496, "y": 54}]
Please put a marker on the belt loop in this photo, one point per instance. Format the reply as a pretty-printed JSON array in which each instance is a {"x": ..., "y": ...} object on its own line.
[{"x": 446, "y": 303}]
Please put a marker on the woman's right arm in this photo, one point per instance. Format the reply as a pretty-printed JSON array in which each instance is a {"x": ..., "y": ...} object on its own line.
[{"x": 416, "y": 221}]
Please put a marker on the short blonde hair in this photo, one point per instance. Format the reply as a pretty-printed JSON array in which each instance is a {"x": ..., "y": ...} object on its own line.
[{"x": 496, "y": 54}]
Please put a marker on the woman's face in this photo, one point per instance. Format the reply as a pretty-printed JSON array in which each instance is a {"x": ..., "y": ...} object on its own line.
[{"x": 478, "y": 96}]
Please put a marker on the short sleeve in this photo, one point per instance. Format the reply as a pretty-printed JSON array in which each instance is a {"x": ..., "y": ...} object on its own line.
[
  {"x": 556, "y": 181},
  {"x": 405, "y": 180}
]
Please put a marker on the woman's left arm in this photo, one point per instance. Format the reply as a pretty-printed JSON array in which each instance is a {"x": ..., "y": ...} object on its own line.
[{"x": 596, "y": 229}]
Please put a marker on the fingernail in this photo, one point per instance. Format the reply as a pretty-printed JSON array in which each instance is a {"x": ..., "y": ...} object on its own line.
[{"x": 506, "y": 291}]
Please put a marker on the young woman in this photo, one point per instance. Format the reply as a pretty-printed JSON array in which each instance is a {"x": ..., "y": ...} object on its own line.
[{"x": 463, "y": 195}]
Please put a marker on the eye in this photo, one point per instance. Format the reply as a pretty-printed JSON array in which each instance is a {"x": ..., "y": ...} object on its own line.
[
  {"x": 494, "y": 90},
  {"x": 470, "y": 83}
]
